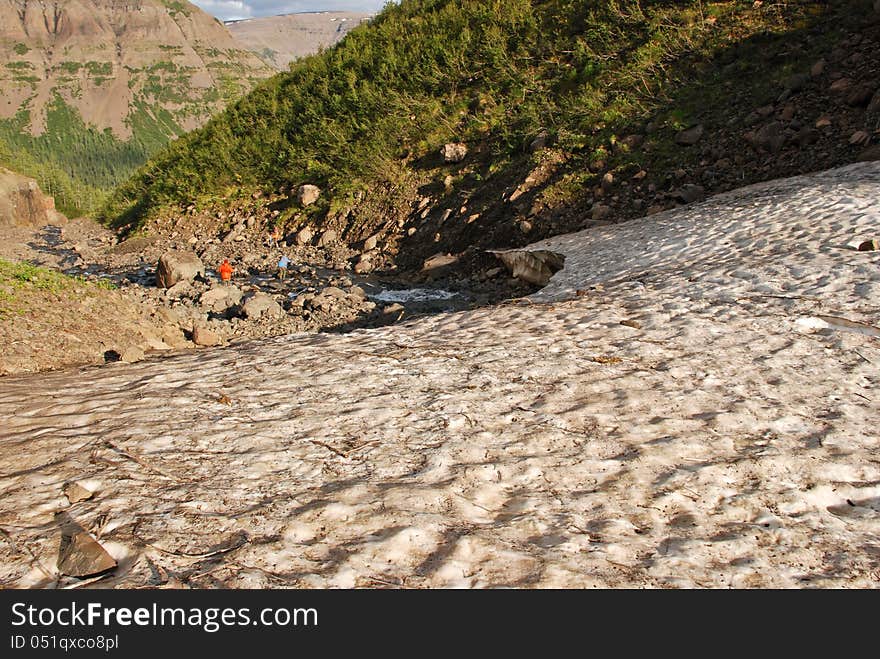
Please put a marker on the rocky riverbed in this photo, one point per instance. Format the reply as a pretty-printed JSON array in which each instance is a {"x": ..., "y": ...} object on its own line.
[{"x": 319, "y": 291}]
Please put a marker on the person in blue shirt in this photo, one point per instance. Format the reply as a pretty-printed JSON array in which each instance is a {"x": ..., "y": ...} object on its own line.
[{"x": 282, "y": 267}]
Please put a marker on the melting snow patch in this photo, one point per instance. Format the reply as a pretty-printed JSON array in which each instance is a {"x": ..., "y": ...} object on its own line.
[{"x": 413, "y": 295}]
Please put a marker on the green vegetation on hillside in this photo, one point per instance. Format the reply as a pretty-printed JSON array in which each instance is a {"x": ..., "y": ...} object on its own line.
[
  {"x": 74, "y": 163},
  {"x": 492, "y": 73}
]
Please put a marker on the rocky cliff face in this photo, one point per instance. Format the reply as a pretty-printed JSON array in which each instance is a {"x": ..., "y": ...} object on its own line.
[
  {"x": 22, "y": 204},
  {"x": 160, "y": 66},
  {"x": 279, "y": 40}
]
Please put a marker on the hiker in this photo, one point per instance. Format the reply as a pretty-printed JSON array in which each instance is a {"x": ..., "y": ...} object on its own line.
[
  {"x": 275, "y": 236},
  {"x": 225, "y": 271},
  {"x": 282, "y": 267}
]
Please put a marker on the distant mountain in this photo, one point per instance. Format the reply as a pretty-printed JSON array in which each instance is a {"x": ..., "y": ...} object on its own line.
[
  {"x": 90, "y": 88},
  {"x": 279, "y": 40}
]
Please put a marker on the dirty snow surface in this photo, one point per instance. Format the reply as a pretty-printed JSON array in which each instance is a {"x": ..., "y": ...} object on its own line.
[{"x": 691, "y": 402}]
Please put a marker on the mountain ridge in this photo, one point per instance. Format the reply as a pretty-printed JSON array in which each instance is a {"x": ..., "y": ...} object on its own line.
[
  {"x": 114, "y": 76},
  {"x": 280, "y": 40}
]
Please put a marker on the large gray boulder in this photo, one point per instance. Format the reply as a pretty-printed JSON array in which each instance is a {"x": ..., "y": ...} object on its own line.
[{"x": 178, "y": 266}]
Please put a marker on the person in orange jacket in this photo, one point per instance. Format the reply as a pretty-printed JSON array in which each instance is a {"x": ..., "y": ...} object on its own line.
[{"x": 226, "y": 271}]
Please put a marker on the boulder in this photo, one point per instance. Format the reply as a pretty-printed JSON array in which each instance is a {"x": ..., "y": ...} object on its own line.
[
  {"x": 453, "y": 152},
  {"x": 258, "y": 305},
  {"x": 304, "y": 236},
  {"x": 221, "y": 298},
  {"x": 308, "y": 194},
  {"x": 22, "y": 203},
  {"x": 535, "y": 267},
  {"x": 178, "y": 266}
]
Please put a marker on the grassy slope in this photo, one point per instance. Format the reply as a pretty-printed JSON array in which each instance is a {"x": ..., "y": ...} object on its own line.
[
  {"x": 25, "y": 287},
  {"x": 373, "y": 111}
]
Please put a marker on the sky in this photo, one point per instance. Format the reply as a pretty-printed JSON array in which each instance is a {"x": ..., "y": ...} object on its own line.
[{"x": 233, "y": 9}]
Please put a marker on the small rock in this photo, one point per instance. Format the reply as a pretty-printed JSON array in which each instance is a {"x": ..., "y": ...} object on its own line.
[
  {"x": 258, "y": 305},
  {"x": 334, "y": 292},
  {"x": 540, "y": 142},
  {"x": 453, "y": 152},
  {"x": 328, "y": 238},
  {"x": 76, "y": 492},
  {"x": 771, "y": 137},
  {"x": 525, "y": 226},
  {"x": 221, "y": 298},
  {"x": 796, "y": 82},
  {"x": 394, "y": 308},
  {"x": 599, "y": 211},
  {"x": 690, "y": 193},
  {"x": 874, "y": 105},
  {"x": 631, "y": 323},
  {"x": 860, "y": 96},
  {"x": 872, "y": 153},
  {"x": 308, "y": 194},
  {"x": 823, "y": 122},
  {"x": 788, "y": 112},
  {"x": 131, "y": 354},
  {"x": 80, "y": 555},
  {"x": 438, "y": 262},
  {"x": 370, "y": 243},
  {"x": 363, "y": 267},
  {"x": 202, "y": 336},
  {"x": 690, "y": 136},
  {"x": 607, "y": 181},
  {"x": 841, "y": 86},
  {"x": 304, "y": 236},
  {"x": 818, "y": 68},
  {"x": 864, "y": 244},
  {"x": 860, "y": 138},
  {"x": 807, "y": 136}
]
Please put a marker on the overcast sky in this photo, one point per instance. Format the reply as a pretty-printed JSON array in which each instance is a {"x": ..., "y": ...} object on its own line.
[{"x": 233, "y": 9}]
